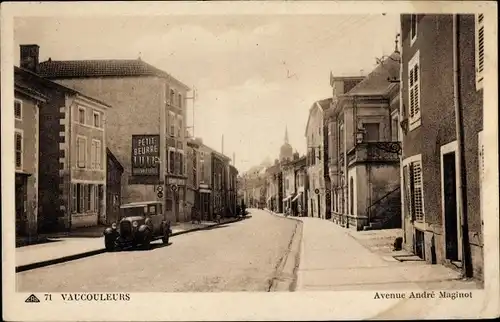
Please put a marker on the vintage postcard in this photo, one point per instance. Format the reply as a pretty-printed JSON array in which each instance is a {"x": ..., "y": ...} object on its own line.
[{"x": 249, "y": 160}]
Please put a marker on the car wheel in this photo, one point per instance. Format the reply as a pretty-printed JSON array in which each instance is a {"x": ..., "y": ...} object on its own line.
[{"x": 110, "y": 245}]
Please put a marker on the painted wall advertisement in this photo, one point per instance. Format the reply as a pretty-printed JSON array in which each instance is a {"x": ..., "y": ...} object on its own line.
[{"x": 145, "y": 155}]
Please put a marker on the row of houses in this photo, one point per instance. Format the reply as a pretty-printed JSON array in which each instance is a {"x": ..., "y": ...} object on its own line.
[
  {"x": 91, "y": 135},
  {"x": 401, "y": 147}
]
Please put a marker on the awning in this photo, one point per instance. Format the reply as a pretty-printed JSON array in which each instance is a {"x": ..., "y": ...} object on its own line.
[{"x": 297, "y": 196}]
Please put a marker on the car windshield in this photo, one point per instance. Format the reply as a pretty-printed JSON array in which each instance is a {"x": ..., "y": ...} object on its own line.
[{"x": 132, "y": 211}]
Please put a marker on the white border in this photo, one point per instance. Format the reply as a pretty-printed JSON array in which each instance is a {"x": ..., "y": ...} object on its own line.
[{"x": 246, "y": 306}]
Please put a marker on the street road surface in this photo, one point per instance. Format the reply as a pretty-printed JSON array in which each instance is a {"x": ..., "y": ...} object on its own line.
[{"x": 240, "y": 256}]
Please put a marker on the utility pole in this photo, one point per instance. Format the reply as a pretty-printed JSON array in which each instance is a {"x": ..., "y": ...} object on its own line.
[{"x": 222, "y": 144}]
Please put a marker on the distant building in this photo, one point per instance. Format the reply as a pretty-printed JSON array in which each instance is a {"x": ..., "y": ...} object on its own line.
[
  {"x": 274, "y": 193},
  {"x": 114, "y": 172},
  {"x": 443, "y": 176},
  {"x": 145, "y": 129},
  {"x": 27, "y": 102},
  {"x": 317, "y": 152}
]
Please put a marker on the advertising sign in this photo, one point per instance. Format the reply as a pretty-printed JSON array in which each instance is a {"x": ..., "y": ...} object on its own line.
[{"x": 145, "y": 155}]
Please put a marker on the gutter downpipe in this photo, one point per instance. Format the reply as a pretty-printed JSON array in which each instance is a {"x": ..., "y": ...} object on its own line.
[
  {"x": 462, "y": 178},
  {"x": 70, "y": 166}
]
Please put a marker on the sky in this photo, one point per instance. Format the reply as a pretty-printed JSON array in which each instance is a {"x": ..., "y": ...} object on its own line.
[{"x": 254, "y": 75}]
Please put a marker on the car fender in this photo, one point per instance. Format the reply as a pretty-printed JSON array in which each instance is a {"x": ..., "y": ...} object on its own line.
[{"x": 110, "y": 231}]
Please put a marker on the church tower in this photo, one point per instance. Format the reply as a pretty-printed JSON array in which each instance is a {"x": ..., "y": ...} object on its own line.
[{"x": 286, "y": 151}]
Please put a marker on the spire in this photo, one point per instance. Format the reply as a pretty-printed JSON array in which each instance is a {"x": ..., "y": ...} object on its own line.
[{"x": 286, "y": 134}]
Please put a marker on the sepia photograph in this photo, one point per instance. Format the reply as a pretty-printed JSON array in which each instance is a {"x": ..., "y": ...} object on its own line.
[{"x": 270, "y": 155}]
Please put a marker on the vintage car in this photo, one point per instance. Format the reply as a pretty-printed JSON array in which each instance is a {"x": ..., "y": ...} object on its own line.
[{"x": 140, "y": 223}]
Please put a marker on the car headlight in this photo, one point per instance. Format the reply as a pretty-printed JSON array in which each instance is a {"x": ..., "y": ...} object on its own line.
[
  {"x": 113, "y": 225},
  {"x": 135, "y": 224}
]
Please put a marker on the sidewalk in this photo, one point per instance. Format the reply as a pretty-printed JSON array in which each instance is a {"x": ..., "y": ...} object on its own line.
[
  {"x": 337, "y": 259},
  {"x": 62, "y": 247}
]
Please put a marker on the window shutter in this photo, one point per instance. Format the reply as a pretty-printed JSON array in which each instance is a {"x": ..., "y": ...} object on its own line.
[
  {"x": 93, "y": 155},
  {"x": 416, "y": 90},
  {"x": 479, "y": 46},
  {"x": 407, "y": 189},
  {"x": 417, "y": 203}
]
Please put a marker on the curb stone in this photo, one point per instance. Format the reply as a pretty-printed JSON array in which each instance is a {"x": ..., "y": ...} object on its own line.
[{"x": 27, "y": 267}]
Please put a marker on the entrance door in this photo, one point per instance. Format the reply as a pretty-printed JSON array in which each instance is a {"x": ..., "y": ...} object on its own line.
[{"x": 452, "y": 222}]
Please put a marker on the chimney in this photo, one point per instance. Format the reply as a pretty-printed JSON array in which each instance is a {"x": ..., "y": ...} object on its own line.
[{"x": 29, "y": 57}]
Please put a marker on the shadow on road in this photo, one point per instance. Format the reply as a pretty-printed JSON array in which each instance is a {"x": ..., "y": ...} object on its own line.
[{"x": 154, "y": 245}]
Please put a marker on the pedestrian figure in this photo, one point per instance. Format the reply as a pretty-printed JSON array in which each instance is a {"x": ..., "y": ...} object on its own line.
[{"x": 195, "y": 216}]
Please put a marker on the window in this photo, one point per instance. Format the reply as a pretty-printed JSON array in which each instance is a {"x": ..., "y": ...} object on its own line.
[
  {"x": 181, "y": 163},
  {"x": 479, "y": 38},
  {"x": 81, "y": 115},
  {"x": 18, "y": 144},
  {"x": 74, "y": 198},
  {"x": 372, "y": 132},
  {"x": 81, "y": 198},
  {"x": 414, "y": 90},
  {"x": 172, "y": 97},
  {"x": 414, "y": 198},
  {"x": 395, "y": 127},
  {"x": 171, "y": 122},
  {"x": 171, "y": 161},
  {"x": 167, "y": 91},
  {"x": 413, "y": 28},
  {"x": 95, "y": 155},
  {"x": 81, "y": 146},
  {"x": 202, "y": 168},
  {"x": 97, "y": 119},
  {"x": 180, "y": 100},
  {"x": 179, "y": 129},
  {"x": 90, "y": 197},
  {"x": 18, "y": 109},
  {"x": 177, "y": 163}
]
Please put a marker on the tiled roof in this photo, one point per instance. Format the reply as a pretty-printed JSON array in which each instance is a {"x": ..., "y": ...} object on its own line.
[
  {"x": 376, "y": 82},
  {"x": 100, "y": 68},
  {"x": 21, "y": 72}
]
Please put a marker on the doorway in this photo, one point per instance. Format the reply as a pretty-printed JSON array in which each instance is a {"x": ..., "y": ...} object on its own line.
[{"x": 450, "y": 211}]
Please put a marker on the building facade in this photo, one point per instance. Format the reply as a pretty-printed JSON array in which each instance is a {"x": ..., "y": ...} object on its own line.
[
  {"x": 300, "y": 199},
  {"x": 192, "y": 160},
  {"x": 442, "y": 122},
  {"x": 364, "y": 149},
  {"x": 72, "y": 171},
  {"x": 204, "y": 204},
  {"x": 114, "y": 171},
  {"x": 27, "y": 102},
  {"x": 317, "y": 151},
  {"x": 233, "y": 189},
  {"x": 146, "y": 127},
  {"x": 273, "y": 188}
]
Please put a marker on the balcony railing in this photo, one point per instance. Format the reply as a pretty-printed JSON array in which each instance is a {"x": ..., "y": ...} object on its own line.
[{"x": 374, "y": 152}]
